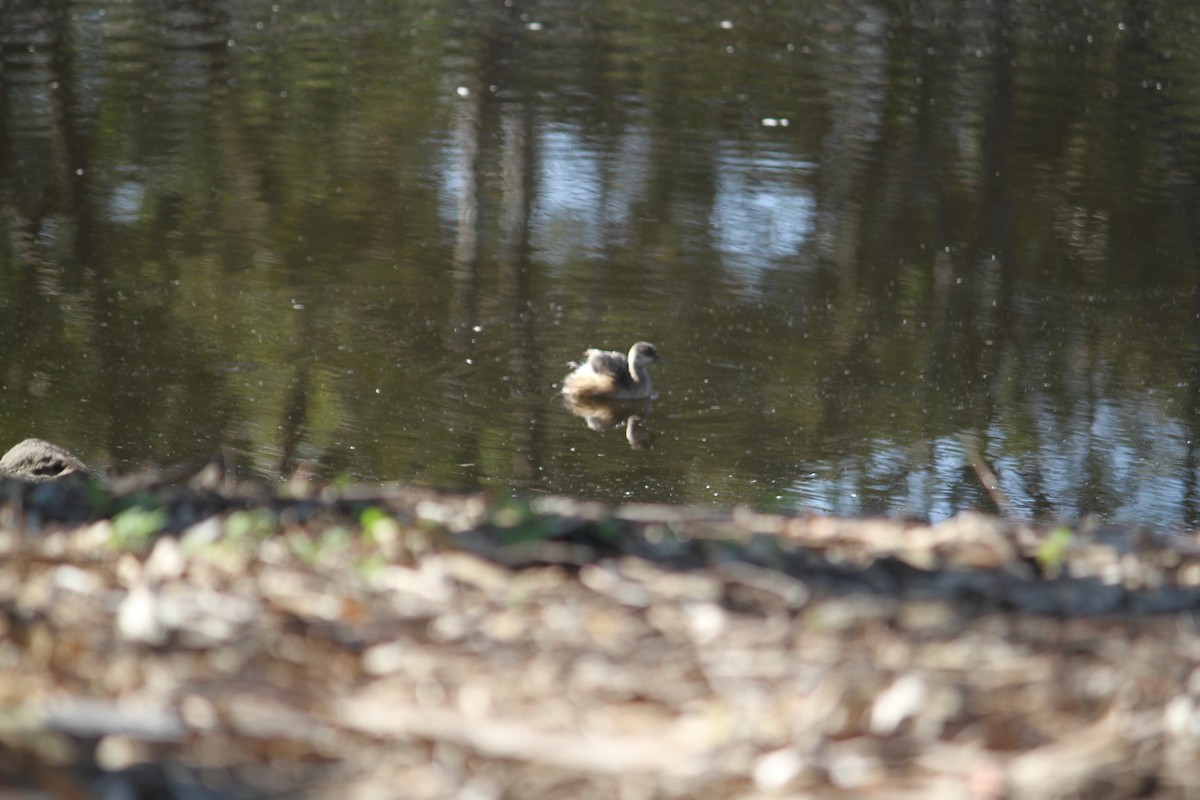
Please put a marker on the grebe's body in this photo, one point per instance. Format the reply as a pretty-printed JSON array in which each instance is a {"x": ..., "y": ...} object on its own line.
[{"x": 609, "y": 375}]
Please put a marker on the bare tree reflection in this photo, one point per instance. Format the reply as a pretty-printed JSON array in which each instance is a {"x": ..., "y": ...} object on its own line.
[
  {"x": 469, "y": 195},
  {"x": 496, "y": 137}
]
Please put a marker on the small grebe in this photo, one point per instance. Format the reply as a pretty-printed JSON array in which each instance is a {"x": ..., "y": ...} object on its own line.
[{"x": 610, "y": 375}]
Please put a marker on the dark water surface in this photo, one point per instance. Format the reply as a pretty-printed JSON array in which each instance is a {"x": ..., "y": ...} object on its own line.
[{"x": 870, "y": 237}]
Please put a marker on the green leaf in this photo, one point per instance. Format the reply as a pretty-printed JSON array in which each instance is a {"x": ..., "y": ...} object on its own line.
[
  {"x": 373, "y": 521},
  {"x": 242, "y": 525},
  {"x": 1050, "y": 553},
  {"x": 133, "y": 527}
]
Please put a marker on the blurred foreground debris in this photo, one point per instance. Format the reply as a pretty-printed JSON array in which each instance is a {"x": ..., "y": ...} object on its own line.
[{"x": 211, "y": 640}]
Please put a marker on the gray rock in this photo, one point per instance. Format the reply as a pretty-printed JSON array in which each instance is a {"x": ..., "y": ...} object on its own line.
[{"x": 37, "y": 460}]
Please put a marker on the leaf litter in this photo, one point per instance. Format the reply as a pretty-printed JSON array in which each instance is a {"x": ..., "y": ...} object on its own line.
[{"x": 215, "y": 640}]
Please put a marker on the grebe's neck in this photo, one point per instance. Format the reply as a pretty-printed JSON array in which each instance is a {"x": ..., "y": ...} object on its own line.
[
  {"x": 637, "y": 370},
  {"x": 640, "y": 375}
]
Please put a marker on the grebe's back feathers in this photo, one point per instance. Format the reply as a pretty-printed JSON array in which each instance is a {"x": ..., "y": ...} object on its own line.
[{"x": 611, "y": 363}]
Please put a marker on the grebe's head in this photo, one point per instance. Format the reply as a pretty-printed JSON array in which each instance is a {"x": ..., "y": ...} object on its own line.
[{"x": 644, "y": 353}]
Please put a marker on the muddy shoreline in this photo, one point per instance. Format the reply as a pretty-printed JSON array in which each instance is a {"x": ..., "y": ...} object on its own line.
[{"x": 227, "y": 640}]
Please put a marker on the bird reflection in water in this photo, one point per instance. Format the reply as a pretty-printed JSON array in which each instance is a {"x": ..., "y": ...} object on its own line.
[{"x": 603, "y": 415}]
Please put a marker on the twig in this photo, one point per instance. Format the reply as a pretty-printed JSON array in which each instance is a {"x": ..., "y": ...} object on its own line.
[{"x": 522, "y": 742}]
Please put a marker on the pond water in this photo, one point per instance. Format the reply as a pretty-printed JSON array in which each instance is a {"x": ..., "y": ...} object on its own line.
[{"x": 872, "y": 239}]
